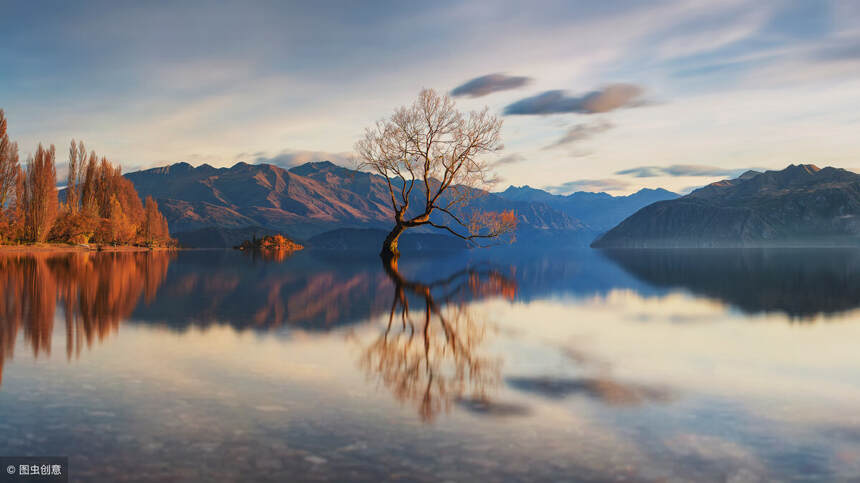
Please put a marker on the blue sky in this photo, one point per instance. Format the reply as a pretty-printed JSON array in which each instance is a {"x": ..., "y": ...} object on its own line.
[{"x": 595, "y": 95}]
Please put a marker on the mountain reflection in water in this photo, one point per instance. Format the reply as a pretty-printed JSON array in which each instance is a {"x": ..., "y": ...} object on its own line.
[
  {"x": 800, "y": 283},
  {"x": 318, "y": 291}
]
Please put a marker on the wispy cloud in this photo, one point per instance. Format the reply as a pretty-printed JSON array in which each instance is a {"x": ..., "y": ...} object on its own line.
[
  {"x": 290, "y": 157},
  {"x": 487, "y": 84},
  {"x": 677, "y": 170},
  {"x": 689, "y": 189},
  {"x": 715, "y": 32},
  {"x": 607, "y": 184},
  {"x": 512, "y": 158},
  {"x": 581, "y": 132},
  {"x": 843, "y": 50},
  {"x": 296, "y": 74},
  {"x": 609, "y": 98}
]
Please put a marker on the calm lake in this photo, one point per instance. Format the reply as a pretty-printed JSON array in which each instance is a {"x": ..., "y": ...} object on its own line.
[{"x": 489, "y": 365}]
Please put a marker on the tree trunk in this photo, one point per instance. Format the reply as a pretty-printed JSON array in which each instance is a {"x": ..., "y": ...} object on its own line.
[{"x": 389, "y": 246}]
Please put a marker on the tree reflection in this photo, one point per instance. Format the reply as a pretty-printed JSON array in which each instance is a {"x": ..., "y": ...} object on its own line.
[
  {"x": 97, "y": 292},
  {"x": 270, "y": 254},
  {"x": 604, "y": 388},
  {"x": 430, "y": 356}
]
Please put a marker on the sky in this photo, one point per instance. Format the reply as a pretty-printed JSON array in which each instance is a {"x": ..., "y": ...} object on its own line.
[{"x": 596, "y": 96}]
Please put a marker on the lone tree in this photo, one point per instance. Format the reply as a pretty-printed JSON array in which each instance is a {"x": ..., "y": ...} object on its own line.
[{"x": 436, "y": 148}]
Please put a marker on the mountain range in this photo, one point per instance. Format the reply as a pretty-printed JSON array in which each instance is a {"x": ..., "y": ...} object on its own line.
[
  {"x": 799, "y": 205},
  {"x": 599, "y": 211},
  {"x": 208, "y": 206}
]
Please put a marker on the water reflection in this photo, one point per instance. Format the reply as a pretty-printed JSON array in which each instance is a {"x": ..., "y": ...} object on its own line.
[
  {"x": 532, "y": 366},
  {"x": 800, "y": 283},
  {"x": 96, "y": 291},
  {"x": 602, "y": 389},
  {"x": 269, "y": 254},
  {"x": 223, "y": 287},
  {"x": 433, "y": 358},
  {"x": 311, "y": 291}
]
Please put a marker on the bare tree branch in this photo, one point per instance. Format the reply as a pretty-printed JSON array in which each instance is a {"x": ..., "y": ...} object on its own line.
[{"x": 440, "y": 148}]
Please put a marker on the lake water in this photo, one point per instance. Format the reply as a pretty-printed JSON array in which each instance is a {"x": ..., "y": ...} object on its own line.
[{"x": 484, "y": 366}]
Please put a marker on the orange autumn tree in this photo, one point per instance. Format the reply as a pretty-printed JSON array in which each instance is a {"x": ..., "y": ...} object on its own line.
[
  {"x": 9, "y": 169},
  {"x": 102, "y": 206},
  {"x": 16, "y": 212},
  {"x": 77, "y": 158},
  {"x": 40, "y": 194},
  {"x": 154, "y": 229},
  {"x": 8, "y": 162},
  {"x": 120, "y": 230}
]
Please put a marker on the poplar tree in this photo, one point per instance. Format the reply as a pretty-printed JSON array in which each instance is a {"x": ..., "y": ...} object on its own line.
[
  {"x": 40, "y": 194},
  {"x": 77, "y": 158},
  {"x": 8, "y": 177},
  {"x": 8, "y": 164}
]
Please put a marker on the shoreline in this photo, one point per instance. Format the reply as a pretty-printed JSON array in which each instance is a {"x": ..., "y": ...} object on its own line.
[{"x": 60, "y": 248}]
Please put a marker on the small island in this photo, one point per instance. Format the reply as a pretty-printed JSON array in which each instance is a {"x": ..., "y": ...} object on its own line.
[{"x": 270, "y": 242}]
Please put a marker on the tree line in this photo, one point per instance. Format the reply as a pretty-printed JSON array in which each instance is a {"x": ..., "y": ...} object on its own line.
[{"x": 98, "y": 204}]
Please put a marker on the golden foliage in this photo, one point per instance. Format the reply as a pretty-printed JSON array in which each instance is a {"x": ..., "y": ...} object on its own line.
[
  {"x": 9, "y": 168},
  {"x": 154, "y": 228},
  {"x": 101, "y": 205}
]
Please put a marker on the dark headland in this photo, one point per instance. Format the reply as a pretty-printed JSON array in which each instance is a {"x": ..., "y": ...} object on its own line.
[{"x": 801, "y": 205}]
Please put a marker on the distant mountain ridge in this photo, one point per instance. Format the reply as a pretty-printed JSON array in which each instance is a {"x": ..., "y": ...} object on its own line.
[
  {"x": 263, "y": 195},
  {"x": 208, "y": 206},
  {"x": 305, "y": 201},
  {"x": 600, "y": 211},
  {"x": 799, "y": 205}
]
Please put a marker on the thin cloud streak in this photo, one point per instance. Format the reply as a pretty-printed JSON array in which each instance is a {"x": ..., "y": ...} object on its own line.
[
  {"x": 289, "y": 158},
  {"x": 512, "y": 158},
  {"x": 581, "y": 132},
  {"x": 607, "y": 184},
  {"x": 609, "y": 98},
  {"x": 679, "y": 170}
]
